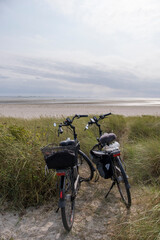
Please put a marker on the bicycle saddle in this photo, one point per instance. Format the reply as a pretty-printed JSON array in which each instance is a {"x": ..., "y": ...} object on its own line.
[
  {"x": 67, "y": 142},
  {"x": 107, "y": 138}
]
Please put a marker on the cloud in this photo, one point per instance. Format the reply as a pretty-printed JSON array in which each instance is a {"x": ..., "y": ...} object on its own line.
[
  {"x": 102, "y": 48},
  {"x": 50, "y": 77}
]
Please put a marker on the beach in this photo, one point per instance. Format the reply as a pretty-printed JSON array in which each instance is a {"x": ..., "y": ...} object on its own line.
[{"x": 37, "y": 107}]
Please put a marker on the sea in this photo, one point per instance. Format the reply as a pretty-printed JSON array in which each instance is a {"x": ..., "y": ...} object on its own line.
[{"x": 36, "y": 100}]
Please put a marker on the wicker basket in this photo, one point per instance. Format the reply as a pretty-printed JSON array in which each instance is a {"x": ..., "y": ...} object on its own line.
[{"x": 59, "y": 157}]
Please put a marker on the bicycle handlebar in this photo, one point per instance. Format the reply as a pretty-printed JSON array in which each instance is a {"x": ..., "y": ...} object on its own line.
[
  {"x": 68, "y": 122},
  {"x": 94, "y": 120}
]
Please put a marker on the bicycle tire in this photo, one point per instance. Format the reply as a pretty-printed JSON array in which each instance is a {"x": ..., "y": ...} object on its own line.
[
  {"x": 122, "y": 182},
  {"x": 68, "y": 211},
  {"x": 86, "y": 169}
]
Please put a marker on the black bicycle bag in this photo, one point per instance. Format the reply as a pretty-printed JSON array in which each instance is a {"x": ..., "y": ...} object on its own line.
[
  {"x": 103, "y": 163},
  {"x": 61, "y": 160},
  {"x": 104, "y": 167},
  {"x": 60, "y": 157}
]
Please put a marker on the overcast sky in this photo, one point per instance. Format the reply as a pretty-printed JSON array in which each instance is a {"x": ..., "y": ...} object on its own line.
[{"x": 80, "y": 48}]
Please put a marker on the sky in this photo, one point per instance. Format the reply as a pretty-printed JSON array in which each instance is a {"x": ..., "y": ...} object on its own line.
[{"x": 80, "y": 48}]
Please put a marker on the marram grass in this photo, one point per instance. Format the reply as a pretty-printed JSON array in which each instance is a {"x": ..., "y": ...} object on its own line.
[
  {"x": 143, "y": 160},
  {"x": 22, "y": 177},
  {"x": 144, "y": 223}
]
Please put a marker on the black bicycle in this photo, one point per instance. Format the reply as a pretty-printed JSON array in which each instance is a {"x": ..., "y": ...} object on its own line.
[
  {"x": 73, "y": 166},
  {"x": 106, "y": 155}
]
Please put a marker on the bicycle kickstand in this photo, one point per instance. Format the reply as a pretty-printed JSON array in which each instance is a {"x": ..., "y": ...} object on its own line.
[
  {"x": 110, "y": 189},
  {"x": 57, "y": 210}
]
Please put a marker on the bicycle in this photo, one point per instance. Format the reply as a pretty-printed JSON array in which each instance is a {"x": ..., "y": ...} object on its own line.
[
  {"x": 106, "y": 155},
  {"x": 72, "y": 166}
]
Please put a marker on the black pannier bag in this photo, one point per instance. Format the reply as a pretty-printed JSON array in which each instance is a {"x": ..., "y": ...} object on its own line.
[
  {"x": 59, "y": 157},
  {"x": 104, "y": 167},
  {"x": 103, "y": 164}
]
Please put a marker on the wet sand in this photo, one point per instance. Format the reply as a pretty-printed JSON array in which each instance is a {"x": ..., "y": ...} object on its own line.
[{"x": 55, "y": 108}]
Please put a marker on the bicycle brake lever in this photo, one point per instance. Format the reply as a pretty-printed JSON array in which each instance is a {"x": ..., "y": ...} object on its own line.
[
  {"x": 60, "y": 131},
  {"x": 86, "y": 127}
]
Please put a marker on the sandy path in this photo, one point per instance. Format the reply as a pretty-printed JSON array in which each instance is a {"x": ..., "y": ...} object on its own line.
[{"x": 94, "y": 219}]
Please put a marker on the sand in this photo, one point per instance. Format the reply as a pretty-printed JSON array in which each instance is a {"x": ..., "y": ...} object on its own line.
[
  {"x": 36, "y": 108},
  {"x": 90, "y": 222}
]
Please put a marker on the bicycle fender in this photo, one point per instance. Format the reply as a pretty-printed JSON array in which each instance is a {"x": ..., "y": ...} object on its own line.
[{"x": 61, "y": 203}]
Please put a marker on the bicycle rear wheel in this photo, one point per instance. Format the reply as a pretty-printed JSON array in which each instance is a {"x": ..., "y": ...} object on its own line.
[
  {"x": 67, "y": 212},
  {"x": 85, "y": 167},
  {"x": 122, "y": 182}
]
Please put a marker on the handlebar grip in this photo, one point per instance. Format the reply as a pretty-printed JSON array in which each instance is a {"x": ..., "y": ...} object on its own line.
[
  {"x": 79, "y": 116},
  {"x": 83, "y": 115},
  {"x": 107, "y": 114}
]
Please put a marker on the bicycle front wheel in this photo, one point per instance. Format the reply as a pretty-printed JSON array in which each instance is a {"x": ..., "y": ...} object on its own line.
[
  {"x": 122, "y": 182},
  {"x": 85, "y": 167},
  {"x": 67, "y": 212}
]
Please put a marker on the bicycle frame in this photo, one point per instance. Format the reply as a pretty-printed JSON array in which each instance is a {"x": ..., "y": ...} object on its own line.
[{"x": 108, "y": 161}]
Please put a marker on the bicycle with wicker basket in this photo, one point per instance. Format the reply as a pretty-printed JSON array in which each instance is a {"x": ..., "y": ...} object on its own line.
[
  {"x": 106, "y": 156},
  {"x": 72, "y": 166}
]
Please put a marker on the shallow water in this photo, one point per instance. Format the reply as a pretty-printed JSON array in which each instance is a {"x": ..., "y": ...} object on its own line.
[
  {"x": 35, "y": 107},
  {"x": 101, "y": 102}
]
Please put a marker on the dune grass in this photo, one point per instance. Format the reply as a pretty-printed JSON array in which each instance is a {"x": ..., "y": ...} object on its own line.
[
  {"x": 22, "y": 177},
  {"x": 143, "y": 222}
]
